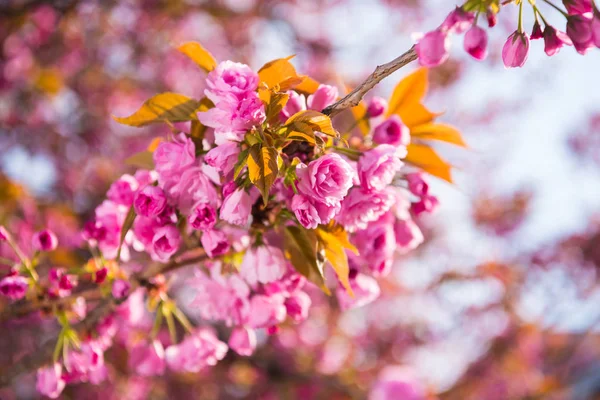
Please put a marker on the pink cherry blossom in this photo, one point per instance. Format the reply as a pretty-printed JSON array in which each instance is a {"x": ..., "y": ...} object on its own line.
[
  {"x": 150, "y": 201},
  {"x": 377, "y": 167},
  {"x": 476, "y": 42},
  {"x": 324, "y": 96},
  {"x": 243, "y": 341},
  {"x": 44, "y": 240},
  {"x": 14, "y": 286},
  {"x": 230, "y": 78},
  {"x": 214, "y": 242},
  {"x": 327, "y": 179},
  {"x": 49, "y": 381},
  {"x": 147, "y": 359},
  {"x": 392, "y": 131},
  {"x": 515, "y": 50},
  {"x": 432, "y": 49},
  {"x": 198, "y": 350}
]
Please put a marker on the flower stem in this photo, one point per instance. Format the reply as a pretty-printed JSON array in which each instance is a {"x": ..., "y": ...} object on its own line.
[{"x": 520, "y": 26}]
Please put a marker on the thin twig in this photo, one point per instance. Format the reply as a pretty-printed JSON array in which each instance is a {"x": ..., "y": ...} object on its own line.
[{"x": 353, "y": 98}]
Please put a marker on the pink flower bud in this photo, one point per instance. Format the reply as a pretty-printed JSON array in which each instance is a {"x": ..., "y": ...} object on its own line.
[
  {"x": 516, "y": 50},
  {"x": 416, "y": 184},
  {"x": 427, "y": 204},
  {"x": 377, "y": 106},
  {"x": 101, "y": 275},
  {"x": 491, "y": 19},
  {"x": 120, "y": 288},
  {"x": 324, "y": 96},
  {"x": 150, "y": 201},
  {"x": 536, "y": 32},
  {"x": 578, "y": 7},
  {"x": 297, "y": 306},
  {"x": 295, "y": 104},
  {"x": 49, "y": 381},
  {"x": 554, "y": 40},
  {"x": 476, "y": 42},
  {"x": 45, "y": 240},
  {"x": 243, "y": 341},
  {"x": 458, "y": 21},
  {"x": 123, "y": 190},
  {"x": 215, "y": 243},
  {"x": 14, "y": 287},
  {"x": 198, "y": 350},
  {"x": 392, "y": 131},
  {"x": 4, "y": 235},
  {"x": 236, "y": 207},
  {"x": 166, "y": 242},
  {"x": 203, "y": 217},
  {"x": 408, "y": 235},
  {"x": 432, "y": 49},
  {"x": 579, "y": 29}
]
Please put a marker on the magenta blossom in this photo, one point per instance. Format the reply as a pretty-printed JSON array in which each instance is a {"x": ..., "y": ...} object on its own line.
[
  {"x": 165, "y": 242},
  {"x": 362, "y": 206},
  {"x": 203, "y": 216},
  {"x": 223, "y": 157},
  {"x": 171, "y": 158},
  {"x": 49, "y": 381},
  {"x": 266, "y": 311},
  {"x": 578, "y": 7},
  {"x": 432, "y": 49},
  {"x": 417, "y": 184},
  {"x": 365, "y": 288},
  {"x": 14, "y": 286},
  {"x": 377, "y": 167},
  {"x": 392, "y": 131},
  {"x": 120, "y": 288},
  {"x": 476, "y": 42},
  {"x": 408, "y": 235},
  {"x": 263, "y": 264},
  {"x": 554, "y": 40},
  {"x": 233, "y": 116},
  {"x": 45, "y": 240},
  {"x": 198, "y": 350},
  {"x": 147, "y": 359},
  {"x": 327, "y": 179},
  {"x": 189, "y": 188},
  {"x": 324, "y": 96},
  {"x": 215, "y": 243},
  {"x": 458, "y": 21},
  {"x": 396, "y": 382},
  {"x": 230, "y": 78},
  {"x": 150, "y": 201},
  {"x": 243, "y": 341},
  {"x": 236, "y": 207},
  {"x": 297, "y": 306},
  {"x": 123, "y": 190},
  {"x": 596, "y": 30},
  {"x": 295, "y": 104},
  {"x": 579, "y": 29},
  {"x": 4, "y": 235},
  {"x": 516, "y": 50},
  {"x": 536, "y": 32},
  {"x": 310, "y": 213}
]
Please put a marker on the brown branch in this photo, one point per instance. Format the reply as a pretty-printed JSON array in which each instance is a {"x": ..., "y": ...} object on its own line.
[
  {"x": 43, "y": 355},
  {"x": 353, "y": 98}
]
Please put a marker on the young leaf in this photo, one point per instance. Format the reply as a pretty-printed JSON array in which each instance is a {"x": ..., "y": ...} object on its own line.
[
  {"x": 316, "y": 120},
  {"x": 442, "y": 132},
  {"x": 428, "y": 160},
  {"x": 275, "y": 105},
  {"x": 334, "y": 241},
  {"x": 277, "y": 71},
  {"x": 199, "y": 55},
  {"x": 263, "y": 168},
  {"x": 143, "y": 159},
  {"x": 164, "y": 107},
  {"x": 307, "y": 86},
  {"x": 406, "y": 99},
  {"x": 301, "y": 248},
  {"x": 127, "y": 224},
  {"x": 241, "y": 163}
]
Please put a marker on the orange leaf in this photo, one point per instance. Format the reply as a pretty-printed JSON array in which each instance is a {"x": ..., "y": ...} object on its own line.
[
  {"x": 442, "y": 132},
  {"x": 429, "y": 161},
  {"x": 154, "y": 144},
  {"x": 199, "y": 55},
  {"x": 307, "y": 86},
  {"x": 406, "y": 99},
  {"x": 163, "y": 107}
]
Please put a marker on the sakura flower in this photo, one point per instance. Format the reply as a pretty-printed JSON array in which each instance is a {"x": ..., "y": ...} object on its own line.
[
  {"x": 49, "y": 381},
  {"x": 243, "y": 341},
  {"x": 44, "y": 240},
  {"x": 198, "y": 350},
  {"x": 263, "y": 264}
]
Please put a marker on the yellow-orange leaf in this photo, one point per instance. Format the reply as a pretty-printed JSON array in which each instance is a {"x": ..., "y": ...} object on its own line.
[
  {"x": 164, "y": 107},
  {"x": 442, "y": 132},
  {"x": 199, "y": 55},
  {"x": 263, "y": 168},
  {"x": 406, "y": 99},
  {"x": 334, "y": 241},
  {"x": 279, "y": 74},
  {"x": 318, "y": 121},
  {"x": 429, "y": 161},
  {"x": 307, "y": 86},
  {"x": 143, "y": 159},
  {"x": 154, "y": 144}
]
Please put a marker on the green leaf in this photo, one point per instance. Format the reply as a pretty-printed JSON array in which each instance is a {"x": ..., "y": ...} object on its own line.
[
  {"x": 163, "y": 107},
  {"x": 301, "y": 247},
  {"x": 143, "y": 159},
  {"x": 125, "y": 228},
  {"x": 263, "y": 168},
  {"x": 334, "y": 241},
  {"x": 199, "y": 55}
]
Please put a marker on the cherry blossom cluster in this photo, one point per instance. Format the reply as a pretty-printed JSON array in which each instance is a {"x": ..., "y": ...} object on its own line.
[
  {"x": 582, "y": 31},
  {"x": 201, "y": 195}
]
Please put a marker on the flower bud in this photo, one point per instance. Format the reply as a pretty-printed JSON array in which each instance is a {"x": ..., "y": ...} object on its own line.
[
  {"x": 165, "y": 242},
  {"x": 476, "y": 42},
  {"x": 536, "y": 32},
  {"x": 215, "y": 243},
  {"x": 324, "y": 96},
  {"x": 458, "y": 21},
  {"x": 516, "y": 50},
  {"x": 203, "y": 217},
  {"x": 377, "y": 106},
  {"x": 392, "y": 131},
  {"x": 14, "y": 287},
  {"x": 491, "y": 19},
  {"x": 45, "y": 240},
  {"x": 578, "y": 7},
  {"x": 416, "y": 184},
  {"x": 432, "y": 49}
]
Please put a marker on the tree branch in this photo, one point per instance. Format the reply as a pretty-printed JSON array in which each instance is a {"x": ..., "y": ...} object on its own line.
[
  {"x": 43, "y": 354},
  {"x": 353, "y": 98}
]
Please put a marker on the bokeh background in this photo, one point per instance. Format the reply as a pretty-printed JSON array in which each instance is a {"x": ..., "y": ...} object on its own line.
[{"x": 500, "y": 302}]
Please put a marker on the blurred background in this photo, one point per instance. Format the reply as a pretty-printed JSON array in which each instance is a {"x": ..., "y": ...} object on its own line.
[{"x": 500, "y": 302}]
